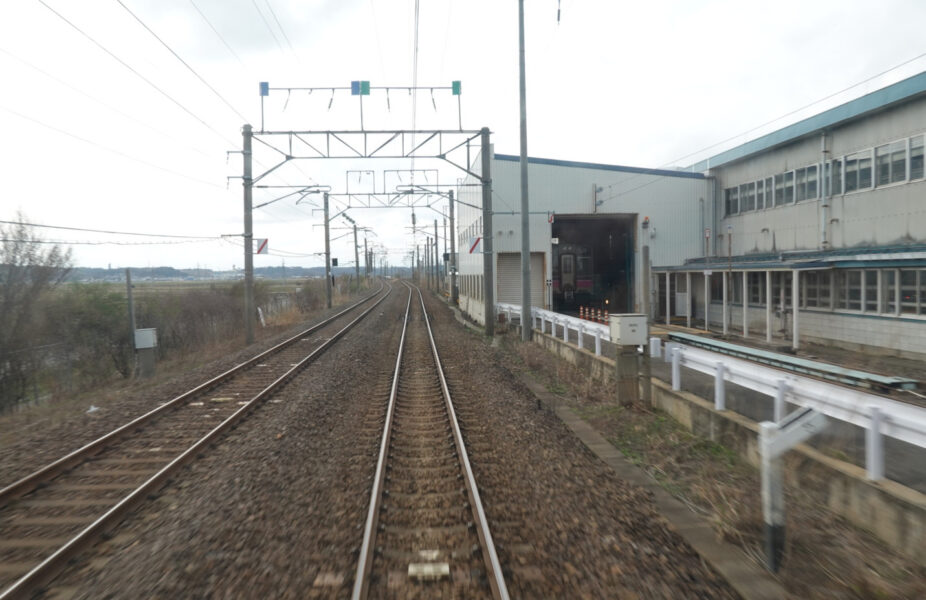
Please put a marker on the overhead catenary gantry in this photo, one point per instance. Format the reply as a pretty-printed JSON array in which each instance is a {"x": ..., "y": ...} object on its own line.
[{"x": 453, "y": 146}]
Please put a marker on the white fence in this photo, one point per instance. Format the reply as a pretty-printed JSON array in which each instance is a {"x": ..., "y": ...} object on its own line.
[
  {"x": 540, "y": 318},
  {"x": 879, "y": 416}
]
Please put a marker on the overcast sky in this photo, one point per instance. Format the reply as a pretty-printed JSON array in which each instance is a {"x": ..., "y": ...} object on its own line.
[{"x": 108, "y": 130}]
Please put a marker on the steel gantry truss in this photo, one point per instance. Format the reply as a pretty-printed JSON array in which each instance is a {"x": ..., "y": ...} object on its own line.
[{"x": 449, "y": 145}]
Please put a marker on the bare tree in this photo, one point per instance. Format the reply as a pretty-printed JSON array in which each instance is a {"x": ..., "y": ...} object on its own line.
[{"x": 28, "y": 268}]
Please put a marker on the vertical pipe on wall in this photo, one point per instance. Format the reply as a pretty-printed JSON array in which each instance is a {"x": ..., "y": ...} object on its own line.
[
  {"x": 796, "y": 303},
  {"x": 689, "y": 296},
  {"x": 768, "y": 307},
  {"x": 745, "y": 303},
  {"x": 824, "y": 194}
]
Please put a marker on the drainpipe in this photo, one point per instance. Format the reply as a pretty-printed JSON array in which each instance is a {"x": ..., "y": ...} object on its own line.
[{"x": 825, "y": 194}]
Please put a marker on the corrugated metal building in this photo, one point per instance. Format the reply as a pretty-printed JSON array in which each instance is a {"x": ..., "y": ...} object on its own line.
[
  {"x": 585, "y": 231},
  {"x": 821, "y": 229},
  {"x": 818, "y": 229}
]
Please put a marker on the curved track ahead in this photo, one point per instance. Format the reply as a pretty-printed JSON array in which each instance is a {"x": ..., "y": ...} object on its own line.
[
  {"x": 425, "y": 535},
  {"x": 50, "y": 515}
]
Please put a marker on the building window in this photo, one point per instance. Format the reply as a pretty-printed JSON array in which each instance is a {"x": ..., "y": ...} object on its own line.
[
  {"x": 789, "y": 187},
  {"x": 760, "y": 194},
  {"x": 779, "y": 279},
  {"x": 800, "y": 184},
  {"x": 835, "y": 176},
  {"x": 889, "y": 291},
  {"x": 779, "y": 189},
  {"x": 916, "y": 157},
  {"x": 854, "y": 290},
  {"x": 735, "y": 288},
  {"x": 921, "y": 284},
  {"x": 732, "y": 200},
  {"x": 769, "y": 191},
  {"x": 908, "y": 285},
  {"x": 748, "y": 194},
  {"x": 858, "y": 171},
  {"x": 891, "y": 162},
  {"x": 812, "y": 182},
  {"x": 757, "y": 288},
  {"x": 811, "y": 289},
  {"x": 871, "y": 291}
]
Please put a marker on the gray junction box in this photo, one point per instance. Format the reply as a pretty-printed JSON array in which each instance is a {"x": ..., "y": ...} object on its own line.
[{"x": 628, "y": 329}]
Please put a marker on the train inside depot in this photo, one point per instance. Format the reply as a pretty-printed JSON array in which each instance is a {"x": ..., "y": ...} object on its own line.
[{"x": 593, "y": 263}]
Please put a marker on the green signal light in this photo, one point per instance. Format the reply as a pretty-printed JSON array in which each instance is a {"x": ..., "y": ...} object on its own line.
[{"x": 456, "y": 86}]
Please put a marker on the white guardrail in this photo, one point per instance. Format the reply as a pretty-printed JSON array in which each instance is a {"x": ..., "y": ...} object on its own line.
[
  {"x": 877, "y": 415},
  {"x": 540, "y": 318}
]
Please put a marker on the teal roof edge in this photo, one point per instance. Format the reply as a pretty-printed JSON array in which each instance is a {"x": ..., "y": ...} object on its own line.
[{"x": 902, "y": 91}]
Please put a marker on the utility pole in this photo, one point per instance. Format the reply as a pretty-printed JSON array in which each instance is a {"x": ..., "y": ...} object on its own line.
[
  {"x": 488, "y": 259},
  {"x": 436, "y": 261},
  {"x": 443, "y": 263},
  {"x": 366, "y": 257},
  {"x": 132, "y": 327},
  {"x": 526, "y": 329},
  {"x": 327, "y": 256},
  {"x": 248, "y": 239},
  {"x": 356, "y": 258},
  {"x": 454, "y": 297}
]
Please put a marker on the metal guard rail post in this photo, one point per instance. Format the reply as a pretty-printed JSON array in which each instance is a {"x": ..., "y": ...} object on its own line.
[
  {"x": 600, "y": 331},
  {"x": 878, "y": 416}
]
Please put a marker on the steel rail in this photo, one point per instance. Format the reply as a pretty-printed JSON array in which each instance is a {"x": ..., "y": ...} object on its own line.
[
  {"x": 29, "y": 482},
  {"x": 365, "y": 560},
  {"x": 493, "y": 567},
  {"x": 48, "y": 568}
]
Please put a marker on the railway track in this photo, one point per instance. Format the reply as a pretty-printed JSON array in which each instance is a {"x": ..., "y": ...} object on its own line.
[
  {"x": 47, "y": 517},
  {"x": 426, "y": 533}
]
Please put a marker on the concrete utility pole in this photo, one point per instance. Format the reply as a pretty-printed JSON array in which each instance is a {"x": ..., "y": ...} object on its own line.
[
  {"x": 436, "y": 261},
  {"x": 356, "y": 258},
  {"x": 366, "y": 257},
  {"x": 248, "y": 239},
  {"x": 526, "y": 329},
  {"x": 132, "y": 327},
  {"x": 454, "y": 297},
  {"x": 488, "y": 260},
  {"x": 327, "y": 256}
]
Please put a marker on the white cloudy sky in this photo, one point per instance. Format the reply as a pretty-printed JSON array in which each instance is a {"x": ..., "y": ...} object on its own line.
[{"x": 89, "y": 143}]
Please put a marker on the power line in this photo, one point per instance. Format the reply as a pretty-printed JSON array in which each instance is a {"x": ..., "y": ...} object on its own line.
[
  {"x": 109, "y": 243},
  {"x": 788, "y": 114},
  {"x": 267, "y": 25},
  {"x": 97, "y": 100},
  {"x": 108, "y": 149},
  {"x": 216, "y": 31},
  {"x": 183, "y": 62},
  {"x": 283, "y": 31},
  {"x": 64, "y": 227},
  {"x": 134, "y": 71},
  {"x": 806, "y": 106}
]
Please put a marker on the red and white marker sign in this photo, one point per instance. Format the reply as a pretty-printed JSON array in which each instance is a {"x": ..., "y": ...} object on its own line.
[
  {"x": 261, "y": 246},
  {"x": 474, "y": 244}
]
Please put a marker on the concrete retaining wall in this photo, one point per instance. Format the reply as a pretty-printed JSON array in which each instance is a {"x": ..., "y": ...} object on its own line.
[{"x": 894, "y": 513}]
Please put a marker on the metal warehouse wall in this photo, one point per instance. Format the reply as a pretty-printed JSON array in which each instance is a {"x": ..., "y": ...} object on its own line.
[
  {"x": 882, "y": 216},
  {"x": 678, "y": 208}
]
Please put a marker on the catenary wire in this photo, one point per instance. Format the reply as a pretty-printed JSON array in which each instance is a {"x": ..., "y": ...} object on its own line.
[
  {"x": 137, "y": 73},
  {"x": 98, "y": 101},
  {"x": 68, "y": 228},
  {"x": 216, "y": 31},
  {"x": 267, "y": 25},
  {"x": 112, "y": 150},
  {"x": 183, "y": 62},
  {"x": 283, "y": 31}
]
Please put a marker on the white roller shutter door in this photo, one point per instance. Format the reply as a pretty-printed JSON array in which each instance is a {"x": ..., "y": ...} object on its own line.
[{"x": 509, "y": 278}]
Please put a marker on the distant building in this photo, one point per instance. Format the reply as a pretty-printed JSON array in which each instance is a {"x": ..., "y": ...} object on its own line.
[{"x": 819, "y": 228}]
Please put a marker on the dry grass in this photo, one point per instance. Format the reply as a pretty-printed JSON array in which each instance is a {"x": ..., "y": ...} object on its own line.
[{"x": 826, "y": 557}]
